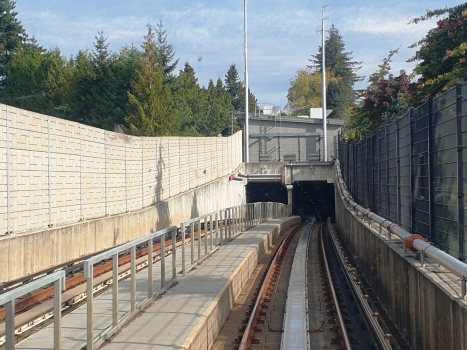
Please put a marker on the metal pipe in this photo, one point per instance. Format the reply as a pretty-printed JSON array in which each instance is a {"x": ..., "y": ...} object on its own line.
[{"x": 447, "y": 261}]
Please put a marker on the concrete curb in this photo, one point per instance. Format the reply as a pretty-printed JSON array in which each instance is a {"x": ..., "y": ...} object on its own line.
[{"x": 204, "y": 333}]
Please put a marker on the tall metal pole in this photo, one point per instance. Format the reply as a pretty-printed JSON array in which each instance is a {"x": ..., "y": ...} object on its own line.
[
  {"x": 324, "y": 89},
  {"x": 247, "y": 153}
]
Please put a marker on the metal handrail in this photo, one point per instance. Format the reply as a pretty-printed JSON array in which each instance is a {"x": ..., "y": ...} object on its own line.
[
  {"x": 225, "y": 224},
  {"x": 8, "y": 299},
  {"x": 450, "y": 263}
]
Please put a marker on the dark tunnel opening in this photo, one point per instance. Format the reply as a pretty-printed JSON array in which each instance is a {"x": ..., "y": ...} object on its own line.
[
  {"x": 313, "y": 200},
  {"x": 266, "y": 192}
]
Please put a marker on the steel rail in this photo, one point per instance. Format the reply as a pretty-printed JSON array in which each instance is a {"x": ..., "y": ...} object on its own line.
[
  {"x": 246, "y": 338},
  {"x": 357, "y": 290},
  {"x": 340, "y": 318}
]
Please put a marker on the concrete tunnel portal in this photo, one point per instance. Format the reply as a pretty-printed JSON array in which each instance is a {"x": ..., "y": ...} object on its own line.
[{"x": 312, "y": 200}]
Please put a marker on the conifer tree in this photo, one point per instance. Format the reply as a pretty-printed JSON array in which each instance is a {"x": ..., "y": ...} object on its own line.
[
  {"x": 12, "y": 34},
  {"x": 150, "y": 102},
  {"x": 340, "y": 94},
  {"x": 165, "y": 51}
]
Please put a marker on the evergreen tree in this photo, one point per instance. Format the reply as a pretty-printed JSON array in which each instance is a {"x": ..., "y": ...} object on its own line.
[
  {"x": 165, "y": 51},
  {"x": 12, "y": 35},
  {"x": 38, "y": 82},
  {"x": 150, "y": 103},
  {"x": 101, "y": 51},
  {"x": 234, "y": 86},
  {"x": 340, "y": 93}
]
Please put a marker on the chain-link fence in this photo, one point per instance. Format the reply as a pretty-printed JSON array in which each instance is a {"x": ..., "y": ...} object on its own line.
[{"x": 411, "y": 170}]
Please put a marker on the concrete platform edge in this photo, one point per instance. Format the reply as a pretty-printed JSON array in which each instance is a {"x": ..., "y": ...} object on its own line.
[{"x": 206, "y": 330}]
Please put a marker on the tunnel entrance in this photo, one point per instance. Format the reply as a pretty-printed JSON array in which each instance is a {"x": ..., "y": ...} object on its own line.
[
  {"x": 313, "y": 200},
  {"x": 266, "y": 192}
]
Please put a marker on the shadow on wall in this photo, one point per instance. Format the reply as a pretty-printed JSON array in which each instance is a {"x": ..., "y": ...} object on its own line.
[{"x": 162, "y": 208}]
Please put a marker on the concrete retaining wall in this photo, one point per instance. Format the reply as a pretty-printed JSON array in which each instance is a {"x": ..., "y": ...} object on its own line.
[
  {"x": 424, "y": 303},
  {"x": 32, "y": 252},
  {"x": 60, "y": 172},
  {"x": 205, "y": 332}
]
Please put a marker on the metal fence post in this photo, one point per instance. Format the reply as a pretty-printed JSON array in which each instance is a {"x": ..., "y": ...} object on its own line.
[
  {"x": 217, "y": 229},
  {"x": 206, "y": 236},
  {"x": 49, "y": 171},
  {"x": 460, "y": 177},
  {"x": 174, "y": 253},
  {"x": 162, "y": 252},
  {"x": 126, "y": 178},
  {"x": 8, "y": 230},
  {"x": 398, "y": 182},
  {"x": 58, "y": 287},
  {"x": 115, "y": 290},
  {"x": 150, "y": 268},
  {"x": 133, "y": 278},
  {"x": 211, "y": 229},
  {"x": 142, "y": 172},
  {"x": 182, "y": 231},
  {"x": 81, "y": 217},
  {"x": 199, "y": 240},
  {"x": 412, "y": 176},
  {"x": 10, "y": 325},
  {"x": 90, "y": 308},
  {"x": 430, "y": 169},
  {"x": 105, "y": 173},
  {"x": 192, "y": 245}
]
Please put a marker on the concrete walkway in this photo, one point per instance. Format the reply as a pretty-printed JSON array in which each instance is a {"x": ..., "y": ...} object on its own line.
[{"x": 175, "y": 318}]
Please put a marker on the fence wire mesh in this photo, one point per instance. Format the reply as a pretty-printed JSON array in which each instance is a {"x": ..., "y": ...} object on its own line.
[{"x": 411, "y": 169}]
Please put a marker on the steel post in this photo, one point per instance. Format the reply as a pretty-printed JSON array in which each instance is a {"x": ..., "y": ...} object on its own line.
[
  {"x": 90, "y": 309},
  {"x": 205, "y": 235},
  {"x": 8, "y": 199},
  {"x": 174, "y": 253},
  {"x": 58, "y": 314},
  {"x": 192, "y": 242},
  {"x": 115, "y": 290},
  {"x": 10, "y": 325},
  {"x": 211, "y": 229},
  {"x": 133, "y": 278},
  {"x": 150, "y": 268},
  {"x": 199, "y": 240},
  {"x": 182, "y": 231},
  {"x": 49, "y": 172},
  {"x": 162, "y": 250}
]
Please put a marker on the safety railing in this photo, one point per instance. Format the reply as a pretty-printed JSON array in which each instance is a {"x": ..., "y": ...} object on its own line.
[
  {"x": 8, "y": 300},
  {"x": 414, "y": 242},
  {"x": 197, "y": 239}
]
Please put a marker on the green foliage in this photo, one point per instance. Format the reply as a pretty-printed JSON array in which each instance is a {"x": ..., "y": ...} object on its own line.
[
  {"x": 150, "y": 102},
  {"x": 12, "y": 35},
  {"x": 38, "y": 81},
  {"x": 235, "y": 87},
  {"x": 441, "y": 54},
  {"x": 165, "y": 51},
  {"x": 340, "y": 93},
  {"x": 132, "y": 90},
  {"x": 306, "y": 89}
]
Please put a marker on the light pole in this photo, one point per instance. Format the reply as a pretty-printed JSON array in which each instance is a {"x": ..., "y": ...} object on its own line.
[
  {"x": 247, "y": 153},
  {"x": 324, "y": 88}
]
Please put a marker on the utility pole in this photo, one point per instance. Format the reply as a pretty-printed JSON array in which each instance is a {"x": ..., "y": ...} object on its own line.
[
  {"x": 247, "y": 153},
  {"x": 324, "y": 87}
]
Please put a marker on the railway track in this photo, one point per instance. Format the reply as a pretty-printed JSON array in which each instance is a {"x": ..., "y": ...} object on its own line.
[
  {"x": 35, "y": 311},
  {"x": 326, "y": 304}
]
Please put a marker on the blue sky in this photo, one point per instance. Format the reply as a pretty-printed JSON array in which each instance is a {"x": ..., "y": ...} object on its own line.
[{"x": 209, "y": 34}]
